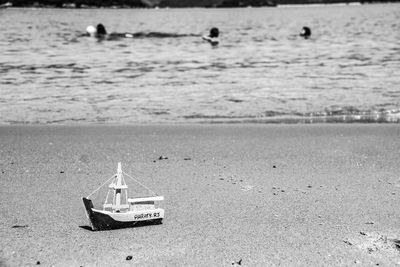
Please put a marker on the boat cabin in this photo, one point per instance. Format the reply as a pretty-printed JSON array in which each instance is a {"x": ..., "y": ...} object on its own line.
[{"x": 143, "y": 203}]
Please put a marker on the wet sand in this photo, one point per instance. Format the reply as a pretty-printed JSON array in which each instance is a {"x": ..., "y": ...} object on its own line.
[{"x": 267, "y": 194}]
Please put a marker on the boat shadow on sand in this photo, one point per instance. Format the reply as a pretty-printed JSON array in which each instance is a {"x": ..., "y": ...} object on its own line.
[{"x": 136, "y": 225}]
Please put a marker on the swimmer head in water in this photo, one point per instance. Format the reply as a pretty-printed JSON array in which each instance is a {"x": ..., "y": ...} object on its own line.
[
  {"x": 305, "y": 32},
  {"x": 212, "y": 38},
  {"x": 214, "y": 33},
  {"x": 101, "y": 30}
]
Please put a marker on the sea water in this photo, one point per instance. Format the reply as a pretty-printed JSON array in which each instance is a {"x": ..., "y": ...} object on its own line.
[{"x": 262, "y": 70}]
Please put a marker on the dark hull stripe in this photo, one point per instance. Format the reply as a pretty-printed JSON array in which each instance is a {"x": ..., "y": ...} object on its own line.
[{"x": 102, "y": 221}]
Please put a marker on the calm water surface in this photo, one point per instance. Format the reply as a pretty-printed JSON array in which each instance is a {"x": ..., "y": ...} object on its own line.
[{"x": 261, "y": 71}]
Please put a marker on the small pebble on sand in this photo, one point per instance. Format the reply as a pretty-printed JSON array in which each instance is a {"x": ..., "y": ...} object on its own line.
[
  {"x": 348, "y": 242},
  {"x": 19, "y": 226}
]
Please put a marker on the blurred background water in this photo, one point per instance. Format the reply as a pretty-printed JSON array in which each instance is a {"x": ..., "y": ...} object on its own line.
[{"x": 262, "y": 71}]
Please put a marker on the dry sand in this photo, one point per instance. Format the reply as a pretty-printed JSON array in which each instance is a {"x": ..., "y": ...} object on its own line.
[{"x": 333, "y": 197}]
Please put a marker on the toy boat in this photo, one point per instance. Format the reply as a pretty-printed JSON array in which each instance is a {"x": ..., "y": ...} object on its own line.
[{"x": 123, "y": 211}]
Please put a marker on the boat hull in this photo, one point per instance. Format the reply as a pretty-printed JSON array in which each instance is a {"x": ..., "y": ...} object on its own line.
[{"x": 102, "y": 220}]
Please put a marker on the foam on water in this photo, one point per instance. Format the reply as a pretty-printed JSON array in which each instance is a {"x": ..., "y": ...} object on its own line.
[{"x": 262, "y": 70}]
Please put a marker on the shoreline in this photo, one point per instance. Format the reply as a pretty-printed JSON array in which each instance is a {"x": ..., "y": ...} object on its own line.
[
  {"x": 68, "y": 5},
  {"x": 215, "y": 120}
]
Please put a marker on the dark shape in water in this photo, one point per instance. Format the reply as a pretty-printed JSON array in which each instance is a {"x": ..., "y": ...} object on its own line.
[
  {"x": 305, "y": 32},
  {"x": 214, "y": 32},
  {"x": 247, "y": 3},
  {"x": 212, "y": 37},
  {"x": 101, "y": 30},
  {"x": 100, "y": 33}
]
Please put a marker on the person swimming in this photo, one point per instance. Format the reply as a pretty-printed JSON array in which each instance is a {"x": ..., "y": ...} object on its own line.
[
  {"x": 305, "y": 32},
  {"x": 212, "y": 38},
  {"x": 100, "y": 33}
]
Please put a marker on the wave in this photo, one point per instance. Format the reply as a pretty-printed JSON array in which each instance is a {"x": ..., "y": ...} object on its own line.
[
  {"x": 345, "y": 115},
  {"x": 160, "y": 115}
]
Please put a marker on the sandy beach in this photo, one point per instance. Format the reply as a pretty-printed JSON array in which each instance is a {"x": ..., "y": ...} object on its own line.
[{"x": 290, "y": 195}]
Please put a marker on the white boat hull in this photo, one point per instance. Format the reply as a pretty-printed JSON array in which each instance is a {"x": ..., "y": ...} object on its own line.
[{"x": 134, "y": 216}]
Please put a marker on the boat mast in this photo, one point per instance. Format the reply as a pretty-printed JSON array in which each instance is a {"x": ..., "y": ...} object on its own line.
[
  {"x": 118, "y": 186},
  {"x": 118, "y": 189}
]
